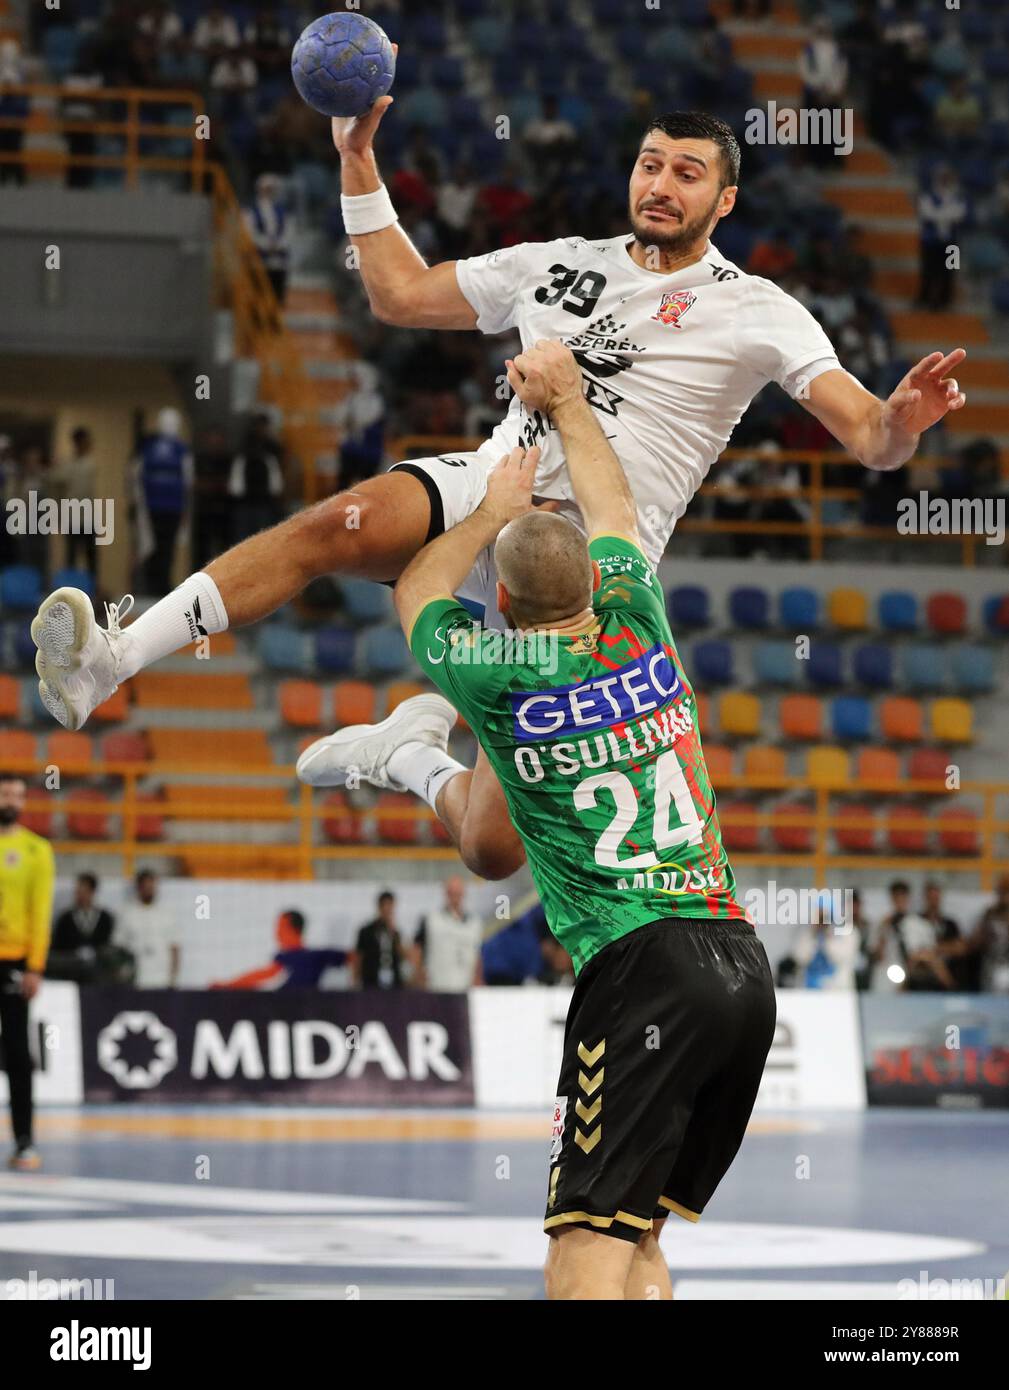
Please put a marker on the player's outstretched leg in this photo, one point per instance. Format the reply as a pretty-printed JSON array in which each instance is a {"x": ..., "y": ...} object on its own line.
[
  {"x": 371, "y": 531},
  {"x": 408, "y": 752}
]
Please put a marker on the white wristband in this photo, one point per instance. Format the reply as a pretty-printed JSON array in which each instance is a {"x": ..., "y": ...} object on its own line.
[{"x": 368, "y": 212}]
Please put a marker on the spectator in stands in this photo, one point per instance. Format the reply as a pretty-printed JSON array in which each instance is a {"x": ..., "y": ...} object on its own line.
[
  {"x": 526, "y": 950},
  {"x": 295, "y": 965},
  {"x": 213, "y": 512},
  {"x": 958, "y": 114},
  {"x": 948, "y": 938},
  {"x": 904, "y": 953},
  {"x": 862, "y": 927},
  {"x": 269, "y": 41},
  {"x": 164, "y": 473},
  {"x": 33, "y": 474},
  {"x": 456, "y": 197},
  {"x": 77, "y": 106},
  {"x": 159, "y": 23},
  {"x": 825, "y": 952},
  {"x": 256, "y": 484},
  {"x": 942, "y": 211},
  {"x": 505, "y": 204},
  {"x": 730, "y": 482},
  {"x": 361, "y": 417},
  {"x": 772, "y": 255},
  {"x": 549, "y": 139},
  {"x": 271, "y": 227},
  {"x": 233, "y": 79},
  {"x": 76, "y": 475},
  {"x": 447, "y": 944},
  {"x": 861, "y": 39},
  {"x": 81, "y": 936},
  {"x": 13, "y": 106},
  {"x": 990, "y": 942},
  {"x": 789, "y": 508},
  {"x": 378, "y": 956},
  {"x": 216, "y": 33},
  {"x": 824, "y": 72},
  {"x": 151, "y": 935}
]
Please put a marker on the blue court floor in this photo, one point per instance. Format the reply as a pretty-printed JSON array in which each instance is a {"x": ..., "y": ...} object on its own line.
[{"x": 268, "y": 1203}]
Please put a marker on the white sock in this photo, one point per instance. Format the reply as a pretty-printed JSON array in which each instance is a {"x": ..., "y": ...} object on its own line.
[
  {"x": 423, "y": 770},
  {"x": 195, "y": 609}
]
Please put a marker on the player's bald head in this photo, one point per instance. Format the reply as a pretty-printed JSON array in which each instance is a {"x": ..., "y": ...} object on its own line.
[{"x": 543, "y": 561}]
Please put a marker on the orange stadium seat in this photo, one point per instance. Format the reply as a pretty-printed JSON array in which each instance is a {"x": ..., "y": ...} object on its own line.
[
  {"x": 10, "y": 697},
  {"x": 16, "y": 745},
  {"x": 158, "y": 690},
  {"x": 801, "y": 716},
  {"x": 353, "y": 703},
  {"x": 340, "y": 825},
  {"x": 234, "y": 748},
  {"x": 848, "y": 609},
  {"x": 39, "y": 816},
  {"x": 958, "y": 830},
  {"x": 84, "y": 824},
  {"x": 857, "y": 838},
  {"x": 740, "y": 828},
  {"x": 71, "y": 753},
  {"x": 115, "y": 709},
  {"x": 220, "y": 802},
  {"x": 876, "y": 765},
  {"x": 125, "y": 746},
  {"x": 952, "y": 721},
  {"x": 792, "y": 827},
  {"x": 301, "y": 704},
  {"x": 396, "y": 819},
  {"x": 907, "y": 829},
  {"x": 704, "y": 723},
  {"x": 739, "y": 714},
  {"x": 769, "y": 763},
  {"x": 399, "y": 691},
  {"x": 901, "y": 719},
  {"x": 827, "y": 767},
  {"x": 719, "y": 762}
]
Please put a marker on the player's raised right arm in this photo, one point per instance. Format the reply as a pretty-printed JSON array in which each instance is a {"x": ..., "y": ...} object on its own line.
[
  {"x": 402, "y": 288},
  {"x": 548, "y": 378}
]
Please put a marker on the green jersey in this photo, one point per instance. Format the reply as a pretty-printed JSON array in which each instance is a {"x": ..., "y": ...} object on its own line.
[{"x": 594, "y": 739}]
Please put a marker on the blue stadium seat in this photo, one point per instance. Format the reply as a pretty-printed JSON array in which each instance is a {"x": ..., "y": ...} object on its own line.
[
  {"x": 25, "y": 650},
  {"x": 873, "y": 666},
  {"x": 447, "y": 73},
  {"x": 688, "y": 607},
  {"x": 711, "y": 663},
  {"x": 823, "y": 669},
  {"x": 60, "y": 46},
  {"x": 285, "y": 648},
  {"x": 20, "y": 588},
  {"x": 334, "y": 649},
  {"x": 749, "y": 608},
  {"x": 851, "y": 718},
  {"x": 75, "y": 579},
  {"x": 774, "y": 663},
  {"x": 428, "y": 31},
  {"x": 996, "y": 614},
  {"x": 973, "y": 669},
  {"x": 489, "y": 36},
  {"x": 365, "y": 601},
  {"x": 898, "y": 611},
  {"x": 922, "y": 667},
  {"x": 385, "y": 652},
  {"x": 799, "y": 609}
]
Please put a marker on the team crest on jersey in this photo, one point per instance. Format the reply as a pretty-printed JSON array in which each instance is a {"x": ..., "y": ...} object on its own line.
[{"x": 675, "y": 304}]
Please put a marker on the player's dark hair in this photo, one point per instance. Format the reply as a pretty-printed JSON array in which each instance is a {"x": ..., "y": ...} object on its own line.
[
  {"x": 900, "y": 885},
  {"x": 90, "y": 880},
  {"x": 386, "y": 896},
  {"x": 12, "y": 777},
  {"x": 698, "y": 125},
  {"x": 295, "y": 919},
  {"x": 141, "y": 874}
]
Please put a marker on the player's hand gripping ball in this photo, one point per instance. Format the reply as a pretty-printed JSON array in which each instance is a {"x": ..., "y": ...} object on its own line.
[{"x": 342, "y": 64}]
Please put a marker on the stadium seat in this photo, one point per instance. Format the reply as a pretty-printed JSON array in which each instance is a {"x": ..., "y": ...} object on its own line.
[
  {"x": 739, "y": 714},
  {"x": 396, "y": 819},
  {"x": 775, "y": 663},
  {"x": 353, "y": 703},
  {"x": 398, "y": 691},
  {"x": 749, "y": 608},
  {"x": 385, "y": 652},
  {"x": 334, "y": 649},
  {"x": 150, "y": 823},
  {"x": 718, "y": 759},
  {"x": 973, "y": 669},
  {"x": 688, "y": 608},
  {"x": 286, "y": 648},
  {"x": 799, "y": 609},
  {"x": 83, "y": 824},
  {"x": 168, "y": 690},
  {"x": 898, "y": 611},
  {"x": 958, "y": 828},
  {"x": 946, "y": 613},
  {"x": 923, "y": 667},
  {"x": 801, "y": 717},
  {"x": 739, "y": 826},
  {"x": 115, "y": 709},
  {"x": 20, "y": 588},
  {"x": 823, "y": 669},
  {"x": 366, "y": 602},
  {"x": 74, "y": 579},
  {"x": 827, "y": 767},
  {"x": 219, "y": 801},
  {"x": 876, "y": 767},
  {"x": 301, "y": 704},
  {"x": 848, "y": 609},
  {"x": 996, "y": 614},
  {"x": 703, "y": 702},
  {"x": 125, "y": 746},
  {"x": 901, "y": 720},
  {"x": 229, "y": 748},
  {"x": 712, "y": 663},
  {"x": 928, "y": 765},
  {"x": 25, "y": 650},
  {"x": 10, "y": 697},
  {"x": 856, "y": 838},
  {"x": 952, "y": 721},
  {"x": 850, "y": 718},
  {"x": 907, "y": 829},
  {"x": 341, "y": 825},
  {"x": 873, "y": 666},
  {"x": 15, "y": 746},
  {"x": 38, "y": 816},
  {"x": 792, "y": 827},
  {"x": 70, "y": 753},
  {"x": 764, "y": 763}
]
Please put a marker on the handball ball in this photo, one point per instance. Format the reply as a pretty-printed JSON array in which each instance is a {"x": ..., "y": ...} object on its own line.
[{"x": 342, "y": 64}]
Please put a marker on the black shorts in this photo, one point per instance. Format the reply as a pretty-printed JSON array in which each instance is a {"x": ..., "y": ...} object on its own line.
[{"x": 664, "y": 1048}]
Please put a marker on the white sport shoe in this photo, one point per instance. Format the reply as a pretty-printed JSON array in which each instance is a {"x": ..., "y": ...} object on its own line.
[
  {"x": 367, "y": 748},
  {"x": 78, "y": 661}
]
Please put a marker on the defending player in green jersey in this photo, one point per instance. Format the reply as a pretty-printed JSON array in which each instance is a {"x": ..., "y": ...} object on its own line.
[{"x": 590, "y": 762}]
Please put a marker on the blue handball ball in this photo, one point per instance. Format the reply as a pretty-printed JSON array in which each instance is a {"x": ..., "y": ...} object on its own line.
[{"x": 342, "y": 64}]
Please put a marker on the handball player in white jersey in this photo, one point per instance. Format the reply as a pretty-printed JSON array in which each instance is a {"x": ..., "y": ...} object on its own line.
[{"x": 673, "y": 342}]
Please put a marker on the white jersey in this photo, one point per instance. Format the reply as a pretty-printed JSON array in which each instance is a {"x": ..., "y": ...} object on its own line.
[
  {"x": 149, "y": 932},
  {"x": 451, "y": 949},
  {"x": 669, "y": 362}
]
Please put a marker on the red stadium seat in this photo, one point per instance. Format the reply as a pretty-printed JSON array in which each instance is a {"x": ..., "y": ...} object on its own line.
[
  {"x": 959, "y": 830},
  {"x": 341, "y": 826},
  {"x": 946, "y": 613},
  {"x": 88, "y": 825},
  {"x": 907, "y": 829},
  {"x": 792, "y": 827},
  {"x": 396, "y": 819},
  {"x": 740, "y": 829},
  {"x": 150, "y": 824},
  {"x": 856, "y": 838},
  {"x": 928, "y": 765}
]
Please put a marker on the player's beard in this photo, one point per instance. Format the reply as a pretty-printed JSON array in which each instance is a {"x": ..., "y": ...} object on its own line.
[
  {"x": 680, "y": 236},
  {"x": 8, "y": 815}
]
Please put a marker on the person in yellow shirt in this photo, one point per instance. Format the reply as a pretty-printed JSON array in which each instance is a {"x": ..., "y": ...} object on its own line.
[{"x": 27, "y": 869}]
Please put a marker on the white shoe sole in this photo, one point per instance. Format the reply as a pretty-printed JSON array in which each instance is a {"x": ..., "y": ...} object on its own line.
[
  {"x": 60, "y": 644},
  {"x": 311, "y": 765}
]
